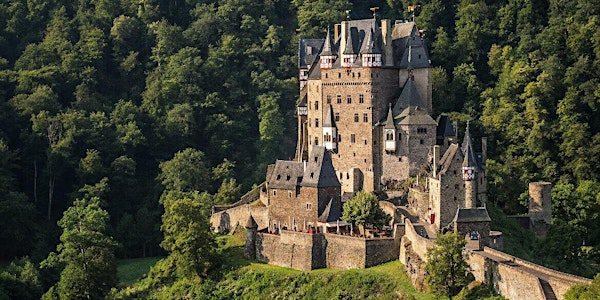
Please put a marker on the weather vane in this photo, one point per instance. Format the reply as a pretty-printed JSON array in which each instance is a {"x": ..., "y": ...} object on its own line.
[{"x": 374, "y": 10}]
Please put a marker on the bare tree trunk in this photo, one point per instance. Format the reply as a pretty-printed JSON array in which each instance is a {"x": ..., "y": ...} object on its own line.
[
  {"x": 50, "y": 195},
  {"x": 35, "y": 175}
]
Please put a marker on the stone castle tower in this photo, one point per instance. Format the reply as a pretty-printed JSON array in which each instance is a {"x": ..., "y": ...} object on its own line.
[{"x": 366, "y": 97}]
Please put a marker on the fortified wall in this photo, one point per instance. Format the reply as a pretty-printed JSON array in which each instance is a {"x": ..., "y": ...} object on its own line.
[
  {"x": 227, "y": 220},
  {"x": 510, "y": 276},
  {"x": 308, "y": 251}
]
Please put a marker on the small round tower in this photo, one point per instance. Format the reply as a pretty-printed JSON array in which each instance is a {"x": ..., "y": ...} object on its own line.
[
  {"x": 251, "y": 232},
  {"x": 540, "y": 202}
]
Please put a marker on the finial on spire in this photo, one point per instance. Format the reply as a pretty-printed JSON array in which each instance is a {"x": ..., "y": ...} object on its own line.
[{"x": 374, "y": 10}]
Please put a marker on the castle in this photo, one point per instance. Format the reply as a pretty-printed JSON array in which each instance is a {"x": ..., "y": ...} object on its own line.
[{"x": 365, "y": 124}]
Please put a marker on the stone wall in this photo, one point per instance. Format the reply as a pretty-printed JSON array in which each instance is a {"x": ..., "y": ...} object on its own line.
[
  {"x": 419, "y": 202},
  {"x": 298, "y": 250},
  {"x": 225, "y": 221},
  {"x": 345, "y": 252},
  {"x": 559, "y": 281},
  {"x": 390, "y": 209}
]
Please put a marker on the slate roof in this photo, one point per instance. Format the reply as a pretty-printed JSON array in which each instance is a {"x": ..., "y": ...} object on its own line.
[
  {"x": 409, "y": 97},
  {"x": 447, "y": 158},
  {"x": 319, "y": 170},
  {"x": 369, "y": 45},
  {"x": 415, "y": 55},
  {"x": 389, "y": 122},
  {"x": 329, "y": 120},
  {"x": 286, "y": 175},
  {"x": 445, "y": 128},
  {"x": 308, "y": 51},
  {"x": 469, "y": 215},
  {"x": 328, "y": 48},
  {"x": 414, "y": 115},
  {"x": 402, "y": 30},
  {"x": 467, "y": 149},
  {"x": 332, "y": 212}
]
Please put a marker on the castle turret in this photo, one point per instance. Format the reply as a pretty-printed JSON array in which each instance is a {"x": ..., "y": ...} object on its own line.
[
  {"x": 370, "y": 52},
  {"x": 469, "y": 171},
  {"x": 329, "y": 131},
  {"x": 349, "y": 55},
  {"x": 251, "y": 231},
  {"x": 328, "y": 55},
  {"x": 389, "y": 131}
]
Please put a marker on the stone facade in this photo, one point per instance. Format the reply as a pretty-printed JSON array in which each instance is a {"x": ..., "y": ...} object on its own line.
[{"x": 361, "y": 73}]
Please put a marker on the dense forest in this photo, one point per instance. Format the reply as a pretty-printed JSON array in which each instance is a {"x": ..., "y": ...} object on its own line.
[{"x": 117, "y": 113}]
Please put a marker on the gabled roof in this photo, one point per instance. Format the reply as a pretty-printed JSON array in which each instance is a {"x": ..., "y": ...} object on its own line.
[
  {"x": 402, "y": 30},
  {"x": 445, "y": 128},
  {"x": 447, "y": 158},
  {"x": 308, "y": 51},
  {"x": 286, "y": 175},
  {"x": 319, "y": 170},
  {"x": 469, "y": 215},
  {"x": 329, "y": 118},
  {"x": 415, "y": 55},
  {"x": 303, "y": 102}
]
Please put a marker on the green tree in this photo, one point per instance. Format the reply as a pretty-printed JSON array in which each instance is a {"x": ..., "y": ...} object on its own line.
[
  {"x": 583, "y": 291},
  {"x": 363, "y": 209},
  {"x": 446, "y": 265},
  {"x": 86, "y": 251},
  {"x": 186, "y": 172},
  {"x": 20, "y": 280},
  {"x": 187, "y": 232}
]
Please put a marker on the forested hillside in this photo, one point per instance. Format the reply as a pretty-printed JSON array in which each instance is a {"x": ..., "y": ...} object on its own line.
[{"x": 120, "y": 108}]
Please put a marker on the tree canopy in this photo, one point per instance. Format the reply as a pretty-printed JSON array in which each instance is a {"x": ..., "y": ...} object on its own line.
[
  {"x": 363, "y": 209},
  {"x": 446, "y": 266}
]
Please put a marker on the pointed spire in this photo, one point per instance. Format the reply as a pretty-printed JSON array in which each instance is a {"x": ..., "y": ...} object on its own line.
[
  {"x": 329, "y": 119},
  {"x": 409, "y": 97},
  {"x": 349, "y": 46},
  {"x": 389, "y": 123},
  {"x": 369, "y": 45},
  {"x": 328, "y": 48},
  {"x": 467, "y": 148}
]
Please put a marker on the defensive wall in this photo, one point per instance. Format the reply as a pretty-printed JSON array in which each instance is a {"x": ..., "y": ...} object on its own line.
[
  {"x": 510, "y": 276},
  {"x": 227, "y": 220},
  {"x": 247, "y": 198},
  {"x": 308, "y": 251}
]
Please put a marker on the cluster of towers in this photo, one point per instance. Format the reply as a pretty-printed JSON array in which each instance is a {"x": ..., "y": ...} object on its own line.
[{"x": 366, "y": 96}]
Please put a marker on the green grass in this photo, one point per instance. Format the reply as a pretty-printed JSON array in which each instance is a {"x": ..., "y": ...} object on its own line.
[{"x": 131, "y": 270}]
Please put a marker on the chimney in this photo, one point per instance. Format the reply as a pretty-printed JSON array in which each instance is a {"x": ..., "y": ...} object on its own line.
[
  {"x": 386, "y": 35},
  {"x": 436, "y": 159},
  {"x": 343, "y": 36}
]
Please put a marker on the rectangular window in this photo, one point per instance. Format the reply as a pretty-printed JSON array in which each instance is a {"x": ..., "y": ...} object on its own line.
[
  {"x": 338, "y": 99},
  {"x": 289, "y": 194},
  {"x": 421, "y": 130},
  {"x": 356, "y": 118},
  {"x": 316, "y": 141},
  {"x": 274, "y": 192},
  {"x": 308, "y": 206},
  {"x": 339, "y": 137},
  {"x": 349, "y": 99},
  {"x": 316, "y": 122},
  {"x": 352, "y": 138},
  {"x": 328, "y": 99},
  {"x": 361, "y": 98},
  {"x": 337, "y": 117},
  {"x": 365, "y": 118},
  {"x": 316, "y": 105}
]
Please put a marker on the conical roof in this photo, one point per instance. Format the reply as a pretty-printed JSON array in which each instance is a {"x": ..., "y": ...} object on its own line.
[
  {"x": 369, "y": 45},
  {"x": 349, "y": 45},
  {"x": 389, "y": 123},
  {"x": 329, "y": 119},
  {"x": 328, "y": 48},
  {"x": 467, "y": 148}
]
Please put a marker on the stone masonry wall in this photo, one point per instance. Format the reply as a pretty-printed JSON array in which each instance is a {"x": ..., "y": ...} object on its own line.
[
  {"x": 225, "y": 221},
  {"x": 344, "y": 252},
  {"x": 290, "y": 249}
]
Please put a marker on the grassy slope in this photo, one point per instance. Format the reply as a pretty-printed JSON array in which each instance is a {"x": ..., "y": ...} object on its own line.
[
  {"x": 132, "y": 270},
  {"x": 244, "y": 279}
]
